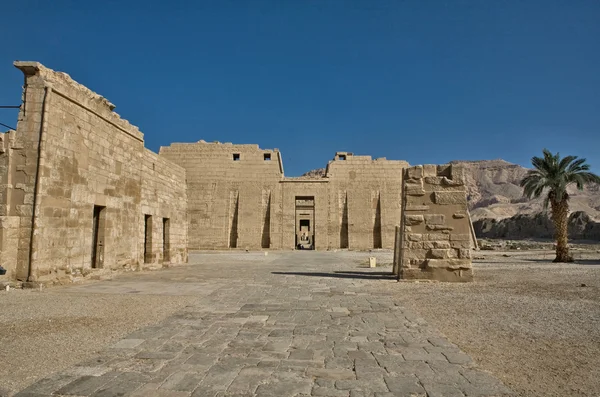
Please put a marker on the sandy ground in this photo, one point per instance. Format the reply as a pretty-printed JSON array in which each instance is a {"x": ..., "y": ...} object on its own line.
[
  {"x": 48, "y": 331},
  {"x": 528, "y": 321}
]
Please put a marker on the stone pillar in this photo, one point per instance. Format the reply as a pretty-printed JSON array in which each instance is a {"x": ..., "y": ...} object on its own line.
[{"x": 435, "y": 241}]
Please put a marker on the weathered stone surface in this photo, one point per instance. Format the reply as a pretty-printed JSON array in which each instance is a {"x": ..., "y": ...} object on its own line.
[
  {"x": 435, "y": 219},
  {"x": 412, "y": 220},
  {"x": 442, "y": 253},
  {"x": 410, "y": 208},
  {"x": 450, "y": 263},
  {"x": 414, "y": 237},
  {"x": 446, "y": 232},
  {"x": 450, "y": 197}
]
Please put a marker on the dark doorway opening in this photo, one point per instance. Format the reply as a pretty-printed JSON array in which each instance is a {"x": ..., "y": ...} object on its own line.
[
  {"x": 377, "y": 241},
  {"x": 266, "y": 232},
  {"x": 98, "y": 236},
  {"x": 305, "y": 223},
  {"x": 233, "y": 229},
  {"x": 166, "y": 240},
  {"x": 344, "y": 228},
  {"x": 147, "y": 238}
]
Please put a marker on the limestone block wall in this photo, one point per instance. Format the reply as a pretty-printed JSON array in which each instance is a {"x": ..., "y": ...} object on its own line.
[
  {"x": 9, "y": 220},
  {"x": 366, "y": 194},
  {"x": 238, "y": 198},
  {"x": 233, "y": 193},
  {"x": 435, "y": 238},
  {"x": 73, "y": 157},
  {"x": 164, "y": 198}
]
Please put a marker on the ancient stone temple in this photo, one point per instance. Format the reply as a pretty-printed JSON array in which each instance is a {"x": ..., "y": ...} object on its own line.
[{"x": 80, "y": 193}]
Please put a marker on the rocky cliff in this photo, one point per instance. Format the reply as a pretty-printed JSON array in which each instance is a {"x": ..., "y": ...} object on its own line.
[{"x": 494, "y": 192}]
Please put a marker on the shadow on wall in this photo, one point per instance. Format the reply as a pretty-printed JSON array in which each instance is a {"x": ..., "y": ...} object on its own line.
[{"x": 342, "y": 274}]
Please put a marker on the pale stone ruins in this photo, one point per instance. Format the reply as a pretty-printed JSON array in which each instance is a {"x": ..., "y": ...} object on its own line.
[{"x": 80, "y": 194}]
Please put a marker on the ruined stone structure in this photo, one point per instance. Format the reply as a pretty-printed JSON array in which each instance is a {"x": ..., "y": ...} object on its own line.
[
  {"x": 80, "y": 192},
  {"x": 435, "y": 238}
]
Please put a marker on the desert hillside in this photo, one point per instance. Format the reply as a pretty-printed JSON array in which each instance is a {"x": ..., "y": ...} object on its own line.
[{"x": 494, "y": 192}]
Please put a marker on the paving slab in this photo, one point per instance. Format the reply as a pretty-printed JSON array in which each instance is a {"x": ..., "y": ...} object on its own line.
[{"x": 287, "y": 324}]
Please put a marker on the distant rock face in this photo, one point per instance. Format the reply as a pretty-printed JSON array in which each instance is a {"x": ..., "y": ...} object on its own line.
[
  {"x": 581, "y": 227},
  {"x": 314, "y": 174},
  {"x": 494, "y": 192}
]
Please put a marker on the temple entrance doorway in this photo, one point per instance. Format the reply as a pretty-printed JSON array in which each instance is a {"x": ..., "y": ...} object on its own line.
[{"x": 305, "y": 223}]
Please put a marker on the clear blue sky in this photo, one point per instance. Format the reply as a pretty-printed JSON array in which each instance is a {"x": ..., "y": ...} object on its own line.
[{"x": 423, "y": 81}]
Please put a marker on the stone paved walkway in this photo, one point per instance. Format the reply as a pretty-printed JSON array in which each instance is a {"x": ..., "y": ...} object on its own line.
[{"x": 286, "y": 324}]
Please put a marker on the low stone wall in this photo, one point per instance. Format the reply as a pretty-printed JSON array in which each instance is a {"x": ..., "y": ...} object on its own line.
[{"x": 435, "y": 237}]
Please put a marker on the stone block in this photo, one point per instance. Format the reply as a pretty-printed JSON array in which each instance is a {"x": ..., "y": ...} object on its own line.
[
  {"x": 414, "y": 237},
  {"x": 436, "y": 237},
  {"x": 437, "y": 244},
  {"x": 415, "y": 172},
  {"x": 450, "y": 263},
  {"x": 442, "y": 253},
  {"x": 417, "y": 208},
  {"x": 429, "y": 170},
  {"x": 460, "y": 237},
  {"x": 435, "y": 219},
  {"x": 414, "y": 189},
  {"x": 441, "y": 228},
  {"x": 461, "y": 244},
  {"x": 450, "y": 197},
  {"x": 417, "y": 254},
  {"x": 464, "y": 253},
  {"x": 413, "y": 219},
  {"x": 412, "y": 245}
]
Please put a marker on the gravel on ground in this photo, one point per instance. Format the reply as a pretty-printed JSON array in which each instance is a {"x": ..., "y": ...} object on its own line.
[{"x": 534, "y": 324}]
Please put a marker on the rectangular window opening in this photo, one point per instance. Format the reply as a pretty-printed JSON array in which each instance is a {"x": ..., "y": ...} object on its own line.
[
  {"x": 342, "y": 157},
  {"x": 236, "y": 157},
  {"x": 267, "y": 156}
]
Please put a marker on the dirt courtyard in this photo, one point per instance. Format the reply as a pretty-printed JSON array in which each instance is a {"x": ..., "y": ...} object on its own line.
[{"x": 533, "y": 324}]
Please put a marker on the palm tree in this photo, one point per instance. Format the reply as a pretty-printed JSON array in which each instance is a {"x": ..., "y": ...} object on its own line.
[{"x": 554, "y": 174}]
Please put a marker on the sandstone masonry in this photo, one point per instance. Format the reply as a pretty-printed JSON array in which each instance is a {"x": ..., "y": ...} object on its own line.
[{"x": 80, "y": 193}]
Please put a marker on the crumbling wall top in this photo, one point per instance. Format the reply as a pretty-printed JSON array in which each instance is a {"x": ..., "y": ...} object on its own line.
[{"x": 65, "y": 86}]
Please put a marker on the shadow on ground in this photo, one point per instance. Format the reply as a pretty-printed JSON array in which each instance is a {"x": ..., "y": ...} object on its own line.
[{"x": 344, "y": 274}]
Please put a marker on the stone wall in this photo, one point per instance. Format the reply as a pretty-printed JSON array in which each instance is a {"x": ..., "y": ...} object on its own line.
[
  {"x": 369, "y": 191},
  {"x": 9, "y": 219},
  {"x": 435, "y": 236},
  {"x": 164, "y": 198},
  {"x": 231, "y": 190},
  {"x": 238, "y": 197},
  {"x": 73, "y": 157}
]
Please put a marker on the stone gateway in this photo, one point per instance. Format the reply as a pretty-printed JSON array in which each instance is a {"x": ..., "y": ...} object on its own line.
[{"x": 80, "y": 194}]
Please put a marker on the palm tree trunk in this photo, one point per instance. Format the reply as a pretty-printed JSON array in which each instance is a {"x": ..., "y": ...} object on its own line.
[{"x": 560, "y": 213}]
